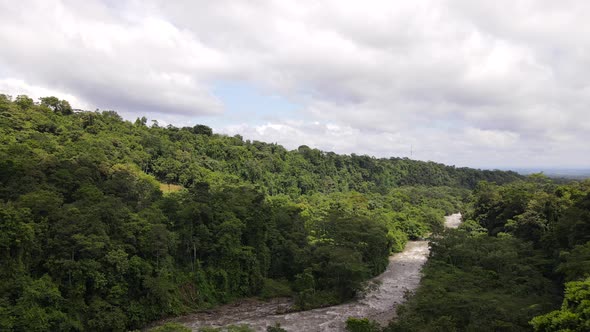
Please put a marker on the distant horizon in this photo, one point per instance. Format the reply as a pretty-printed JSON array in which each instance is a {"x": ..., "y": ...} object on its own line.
[
  {"x": 486, "y": 167},
  {"x": 553, "y": 171},
  {"x": 262, "y": 139}
]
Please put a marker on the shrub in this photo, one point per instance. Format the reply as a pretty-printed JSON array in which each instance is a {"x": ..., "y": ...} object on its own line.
[{"x": 361, "y": 325}]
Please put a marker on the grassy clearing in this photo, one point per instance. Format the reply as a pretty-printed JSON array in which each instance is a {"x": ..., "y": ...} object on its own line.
[{"x": 169, "y": 188}]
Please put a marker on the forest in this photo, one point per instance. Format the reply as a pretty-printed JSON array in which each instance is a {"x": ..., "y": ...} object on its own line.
[
  {"x": 108, "y": 225},
  {"x": 519, "y": 262}
]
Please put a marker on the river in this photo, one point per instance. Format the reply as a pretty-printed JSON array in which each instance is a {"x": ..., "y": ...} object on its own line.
[{"x": 379, "y": 303}]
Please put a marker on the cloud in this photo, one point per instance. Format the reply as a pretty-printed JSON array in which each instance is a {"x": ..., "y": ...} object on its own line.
[
  {"x": 491, "y": 138},
  {"x": 370, "y": 77},
  {"x": 113, "y": 60},
  {"x": 327, "y": 136},
  {"x": 14, "y": 87}
]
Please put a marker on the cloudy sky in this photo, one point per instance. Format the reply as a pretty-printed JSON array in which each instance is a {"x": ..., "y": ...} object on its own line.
[{"x": 467, "y": 83}]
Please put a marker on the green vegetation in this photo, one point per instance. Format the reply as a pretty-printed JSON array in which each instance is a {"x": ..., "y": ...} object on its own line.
[
  {"x": 276, "y": 328},
  {"x": 574, "y": 314},
  {"x": 361, "y": 325},
  {"x": 171, "y": 327},
  {"x": 478, "y": 283},
  {"x": 89, "y": 240},
  {"x": 502, "y": 270},
  {"x": 167, "y": 188},
  {"x": 272, "y": 288},
  {"x": 231, "y": 328}
]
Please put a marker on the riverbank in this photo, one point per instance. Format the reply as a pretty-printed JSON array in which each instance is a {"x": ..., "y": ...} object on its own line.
[{"x": 379, "y": 303}]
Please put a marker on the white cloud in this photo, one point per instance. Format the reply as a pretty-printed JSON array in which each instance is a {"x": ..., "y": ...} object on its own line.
[
  {"x": 134, "y": 62},
  {"x": 328, "y": 137},
  {"x": 491, "y": 138},
  {"x": 14, "y": 88},
  {"x": 372, "y": 77}
]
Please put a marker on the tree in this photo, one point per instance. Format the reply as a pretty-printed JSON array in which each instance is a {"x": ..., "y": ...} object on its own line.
[
  {"x": 361, "y": 325},
  {"x": 574, "y": 314},
  {"x": 82, "y": 213},
  {"x": 24, "y": 102},
  {"x": 59, "y": 106},
  {"x": 202, "y": 130}
]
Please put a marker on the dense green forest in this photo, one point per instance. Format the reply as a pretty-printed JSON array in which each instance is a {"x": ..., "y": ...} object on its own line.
[
  {"x": 107, "y": 224},
  {"x": 504, "y": 269}
]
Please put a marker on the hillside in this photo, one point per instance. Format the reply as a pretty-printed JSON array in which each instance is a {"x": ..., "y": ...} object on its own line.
[
  {"x": 519, "y": 262},
  {"x": 89, "y": 240},
  {"x": 188, "y": 155}
]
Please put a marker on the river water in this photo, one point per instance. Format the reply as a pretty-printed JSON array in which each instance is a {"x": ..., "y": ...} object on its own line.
[{"x": 379, "y": 303}]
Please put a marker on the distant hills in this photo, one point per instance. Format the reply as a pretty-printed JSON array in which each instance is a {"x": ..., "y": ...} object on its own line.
[{"x": 569, "y": 173}]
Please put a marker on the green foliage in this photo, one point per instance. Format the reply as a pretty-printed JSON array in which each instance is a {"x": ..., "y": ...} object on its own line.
[
  {"x": 310, "y": 298},
  {"x": 275, "y": 288},
  {"x": 574, "y": 314},
  {"x": 202, "y": 130},
  {"x": 276, "y": 328},
  {"x": 59, "y": 106},
  {"x": 361, "y": 325},
  {"x": 575, "y": 264},
  {"x": 478, "y": 284},
  {"x": 501, "y": 268},
  {"x": 171, "y": 327},
  {"x": 472, "y": 228},
  {"x": 231, "y": 328},
  {"x": 83, "y": 216}
]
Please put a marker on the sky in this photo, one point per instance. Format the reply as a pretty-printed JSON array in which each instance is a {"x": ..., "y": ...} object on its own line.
[{"x": 488, "y": 84}]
